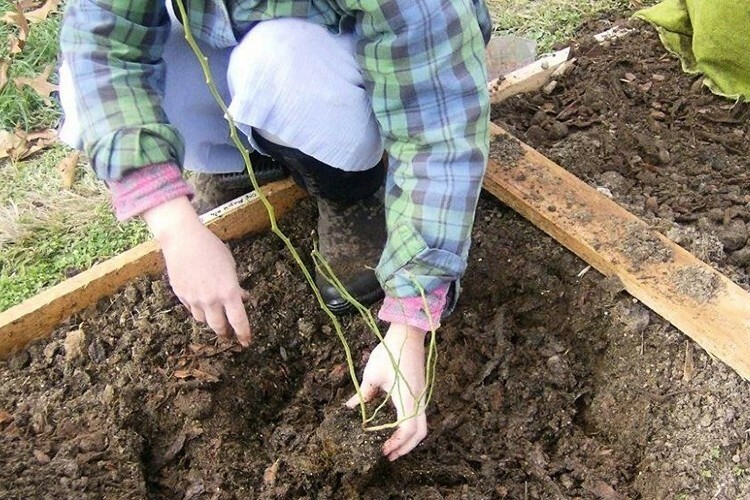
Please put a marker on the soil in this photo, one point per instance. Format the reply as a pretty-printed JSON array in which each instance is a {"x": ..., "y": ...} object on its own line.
[{"x": 552, "y": 383}]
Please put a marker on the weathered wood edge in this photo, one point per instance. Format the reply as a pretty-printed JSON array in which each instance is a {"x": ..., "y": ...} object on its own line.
[
  {"x": 535, "y": 75},
  {"x": 528, "y": 78},
  {"x": 41, "y": 314},
  {"x": 599, "y": 231}
]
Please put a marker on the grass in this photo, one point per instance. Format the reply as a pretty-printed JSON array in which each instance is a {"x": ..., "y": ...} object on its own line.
[
  {"x": 52, "y": 254},
  {"x": 550, "y": 22},
  {"x": 47, "y": 232},
  {"x": 24, "y": 108}
]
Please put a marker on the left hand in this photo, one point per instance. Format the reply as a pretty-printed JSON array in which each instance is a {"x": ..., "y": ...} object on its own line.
[{"x": 406, "y": 344}]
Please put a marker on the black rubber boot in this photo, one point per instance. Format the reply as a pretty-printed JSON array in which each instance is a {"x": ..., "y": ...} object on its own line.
[
  {"x": 214, "y": 190},
  {"x": 351, "y": 223},
  {"x": 351, "y": 238}
]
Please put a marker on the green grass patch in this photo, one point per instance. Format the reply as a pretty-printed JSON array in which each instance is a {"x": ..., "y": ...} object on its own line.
[
  {"x": 47, "y": 233},
  {"x": 24, "y": 108},
  {"x": 48, "y": 255},
  {"x": 552, "y": 22}
]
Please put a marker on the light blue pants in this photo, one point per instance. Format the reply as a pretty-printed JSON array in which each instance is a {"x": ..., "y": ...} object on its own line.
[{"x": 293, "y": 81}]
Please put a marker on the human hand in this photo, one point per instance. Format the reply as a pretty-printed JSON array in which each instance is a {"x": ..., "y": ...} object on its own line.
[
  {"x": 406, "y": 344},
  {"x": 201, "y": 269}
]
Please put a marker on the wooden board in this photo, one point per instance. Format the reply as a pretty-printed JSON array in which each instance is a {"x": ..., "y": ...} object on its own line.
[
  {"x": 536, "y": 75},
  {"x": 39, "y": 315},
  {"x": 695, "y": 298},
  {"x": 528, "y": 78}
]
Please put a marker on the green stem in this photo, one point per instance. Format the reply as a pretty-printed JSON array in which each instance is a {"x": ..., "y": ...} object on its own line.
[{"x": 320, "y": 261}]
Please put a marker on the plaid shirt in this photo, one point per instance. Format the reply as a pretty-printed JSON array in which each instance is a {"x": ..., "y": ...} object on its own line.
[{"x": 423, "y": 67}]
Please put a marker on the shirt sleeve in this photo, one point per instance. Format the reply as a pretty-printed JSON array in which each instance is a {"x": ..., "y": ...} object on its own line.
[
  {"x": 147, "y": 187},
  {"x": 424, "y": 68},
  {"x": 114, "y": 52}
]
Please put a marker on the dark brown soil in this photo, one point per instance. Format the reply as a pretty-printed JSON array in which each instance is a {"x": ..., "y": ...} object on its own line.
[{"x": 550, "y": 385}]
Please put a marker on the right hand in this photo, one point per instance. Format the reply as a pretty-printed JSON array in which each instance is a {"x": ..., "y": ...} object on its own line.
[{"x": 201, "y": 269}]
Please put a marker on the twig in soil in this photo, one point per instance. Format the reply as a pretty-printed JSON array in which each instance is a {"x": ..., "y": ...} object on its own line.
[
  {"x": 688, "y": 369},
  {"x": 113, "y": 301},
  {"x": 642, "y": 349},
  {"x": 583, "y": 272}
]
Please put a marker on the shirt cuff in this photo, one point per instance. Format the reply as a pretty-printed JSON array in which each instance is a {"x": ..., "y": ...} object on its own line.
[
  {"x": 411, "y": 310},
  {"x": 147, "y": 187}
]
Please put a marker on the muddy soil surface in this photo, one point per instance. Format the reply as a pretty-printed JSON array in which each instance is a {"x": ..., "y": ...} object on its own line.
[{"x": 552, "y": 383}]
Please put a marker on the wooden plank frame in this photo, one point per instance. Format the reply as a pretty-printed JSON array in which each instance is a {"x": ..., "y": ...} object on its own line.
[
  {"x": 698, "y": 300},
  {"x": 39, "y": 315},
  {"x": 528, "y": 78},
  {"x": 576, "y": 215}
]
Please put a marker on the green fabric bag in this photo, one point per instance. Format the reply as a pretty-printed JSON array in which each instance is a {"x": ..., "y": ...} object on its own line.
[{"x": 711, "y": 37}]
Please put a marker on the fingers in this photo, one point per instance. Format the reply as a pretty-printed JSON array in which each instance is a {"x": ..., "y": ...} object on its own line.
[
  {"x": 197, "y": 313},
  {"x": 413, "y": 428},
  {"x": 217, "y": 320},
  {"x": 223, "y": 318},
  {"x": 408, "y": 435},
  {"x": 237, "y": 317},
  {"x": 368, "y": 391}
]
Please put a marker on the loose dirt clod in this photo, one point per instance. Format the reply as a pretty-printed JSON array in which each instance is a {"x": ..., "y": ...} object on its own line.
[
  {"x": 75, "y": 343},
  {"x": 697, "y": 283},
  {"x": 506, "y": 150},
  {"x": 642, "y": 246}
]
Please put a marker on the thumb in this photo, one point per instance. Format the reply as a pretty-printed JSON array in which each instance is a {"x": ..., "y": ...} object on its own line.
[{"x": 368, "y": 391}]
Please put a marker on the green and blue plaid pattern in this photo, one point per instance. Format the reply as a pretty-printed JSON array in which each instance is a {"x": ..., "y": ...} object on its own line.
[{"x": 424, "y": 70}]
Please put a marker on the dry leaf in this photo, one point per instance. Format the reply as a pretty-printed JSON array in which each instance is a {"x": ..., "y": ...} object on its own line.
[
  {"x": 182, "y": 374},
  {"x": 36, "y": 141},
  {"x": 269, "y": 476},
  {"x": 5, "y": 418},
  {"x": 41, "y": 457},
  {"x": 4, "y": 65},
  {"x": 16, "y": 45},
  {"x": 39, "y": 83},
  {"x": 204, "y": 375},
  {"x": 10, "y": 142},
  {"x": 67, "y": 169},
  {"x": 207, "y": 351},
  {"x": 196, "y": 374},
  {"x": 603, "y": 491},
  {"x": 18, "y": 145},
  {"x": 42, "y": 12},
  {"x": 18, "y": 18}
]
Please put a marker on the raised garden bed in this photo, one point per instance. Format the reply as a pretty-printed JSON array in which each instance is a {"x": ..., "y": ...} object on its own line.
[{"x": 552, "y": 383}]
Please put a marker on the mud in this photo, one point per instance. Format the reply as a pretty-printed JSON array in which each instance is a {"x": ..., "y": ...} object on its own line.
[{"x": 552, "y": 383}]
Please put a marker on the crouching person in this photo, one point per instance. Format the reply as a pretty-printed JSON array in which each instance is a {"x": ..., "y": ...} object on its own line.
[{"x": 379, "y": 110}]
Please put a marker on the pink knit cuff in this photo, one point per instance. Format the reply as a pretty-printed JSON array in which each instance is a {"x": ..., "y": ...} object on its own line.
[
  {"x": 411, "y": 310},
  {"x": 147, "y": 187}
]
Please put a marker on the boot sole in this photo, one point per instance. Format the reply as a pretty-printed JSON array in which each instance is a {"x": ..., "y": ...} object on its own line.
[{"x": 366, "y": 300}]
